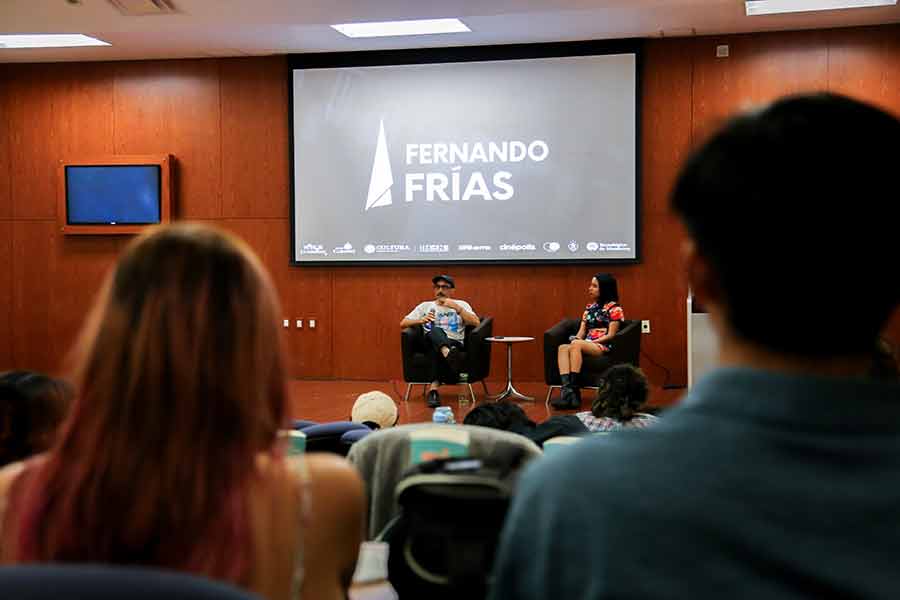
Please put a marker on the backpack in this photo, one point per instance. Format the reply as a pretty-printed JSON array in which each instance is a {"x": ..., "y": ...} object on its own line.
[{"x": 442, "y": 543}]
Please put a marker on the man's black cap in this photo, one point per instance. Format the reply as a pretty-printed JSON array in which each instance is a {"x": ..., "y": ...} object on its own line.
[{"x": 446, "y": 278}]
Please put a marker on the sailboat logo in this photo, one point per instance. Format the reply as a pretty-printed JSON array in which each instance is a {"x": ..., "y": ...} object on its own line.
[{"x": 382, "y": 178}]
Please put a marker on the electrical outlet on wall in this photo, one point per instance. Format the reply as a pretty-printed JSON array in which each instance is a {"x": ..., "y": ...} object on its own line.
[
  {"x": 299, "y": 323},
  {"x": 645, "y": 326},
  {"x": 312, "y": 323},
  {"x": 287, "y": 323}
]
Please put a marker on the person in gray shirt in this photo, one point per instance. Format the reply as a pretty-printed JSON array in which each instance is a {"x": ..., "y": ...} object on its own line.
[
  {"x": 444, "y": 321},
  {"x": 777, "y": 476}
]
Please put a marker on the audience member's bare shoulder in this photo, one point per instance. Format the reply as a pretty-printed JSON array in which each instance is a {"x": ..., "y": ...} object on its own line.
[
  {"x": 8, "y": 475},
  {"x": 324, "y": 476},
  {"x": 333, "y": 478}
]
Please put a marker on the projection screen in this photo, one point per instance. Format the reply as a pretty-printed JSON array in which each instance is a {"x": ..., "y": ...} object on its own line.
[{"x": 523, "y": 159}]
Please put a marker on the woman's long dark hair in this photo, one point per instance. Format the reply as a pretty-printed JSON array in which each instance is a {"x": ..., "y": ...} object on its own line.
[
  {"x": 609, "y": 289},
  {"x": 180, "y": 383}
]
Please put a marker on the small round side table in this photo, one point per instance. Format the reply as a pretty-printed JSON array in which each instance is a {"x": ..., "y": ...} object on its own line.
[{"x": 510, "y": 391}]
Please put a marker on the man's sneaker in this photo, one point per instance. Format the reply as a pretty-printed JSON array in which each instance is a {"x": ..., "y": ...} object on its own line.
[
  {"x": 433, "y": 399},
  {"x": 454, "y": 360}
]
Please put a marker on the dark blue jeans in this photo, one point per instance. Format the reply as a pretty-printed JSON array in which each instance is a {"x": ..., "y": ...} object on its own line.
[{"x": 434, "y": 341}]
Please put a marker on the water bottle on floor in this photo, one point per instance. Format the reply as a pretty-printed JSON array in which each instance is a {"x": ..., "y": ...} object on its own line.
[
  {"x": 443, "y": 415},
  {"x": 464, "y": 392}
]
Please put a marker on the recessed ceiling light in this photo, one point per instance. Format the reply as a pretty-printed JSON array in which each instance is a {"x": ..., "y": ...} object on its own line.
[
  {"x": 48, "y": 40},
  {"x": 387, "y": 28},
  {"x": 771, "y": 7}
]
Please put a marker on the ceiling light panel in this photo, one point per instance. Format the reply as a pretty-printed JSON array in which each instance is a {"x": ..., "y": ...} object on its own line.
[
  {"x": 49, "y": 40},
  {"x": 771, "y": 7},
  {"x": 393, "y": 28}
]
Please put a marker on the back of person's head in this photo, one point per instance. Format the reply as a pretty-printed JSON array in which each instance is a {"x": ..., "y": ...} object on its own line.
[
  {"x": 32, "y": 405},
  {"x": 623, "y": 392},
  {"x": 506, "y": 416},
  {"x": 609, "y": 288},
  {"x": 789, "y": 207},
  {"x": 179, "y": 384}
]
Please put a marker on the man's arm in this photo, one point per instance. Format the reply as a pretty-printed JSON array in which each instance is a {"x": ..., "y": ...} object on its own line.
[
  {"x": 469, "y": 317},
  {"x": 408, "y": 322},
  {"x": 413, "y": 319}
]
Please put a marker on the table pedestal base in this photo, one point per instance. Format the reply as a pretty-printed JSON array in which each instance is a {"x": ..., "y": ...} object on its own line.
[
  {"x": 510, "y": 391},
  {"x": 513, "y": 393}
]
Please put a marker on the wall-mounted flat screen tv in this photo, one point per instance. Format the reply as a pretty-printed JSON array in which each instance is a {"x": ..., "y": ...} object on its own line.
[{"x": 115, "y": 194}]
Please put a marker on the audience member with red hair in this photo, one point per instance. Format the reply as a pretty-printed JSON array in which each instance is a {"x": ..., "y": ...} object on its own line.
[{"x": 169, "y": 458}]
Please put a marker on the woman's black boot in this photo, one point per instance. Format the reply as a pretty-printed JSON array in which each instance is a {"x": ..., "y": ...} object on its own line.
[
  {"x": 575, "y": 397},
  {"x": 565, "y": 393}
]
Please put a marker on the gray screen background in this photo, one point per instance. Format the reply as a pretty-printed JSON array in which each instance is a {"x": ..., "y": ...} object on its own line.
[{"x": 578, "y": 203}]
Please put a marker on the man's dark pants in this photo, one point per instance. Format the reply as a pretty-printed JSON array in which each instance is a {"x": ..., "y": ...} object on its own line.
[{"x": 434, "y": 341}]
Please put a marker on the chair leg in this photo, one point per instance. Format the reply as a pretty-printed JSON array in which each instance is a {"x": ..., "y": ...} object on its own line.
[
  {"x": 484, "y": 386},
  {"x": 550, "y": 393},
  {"x": 472, "y": 393},
  {"x": 406, "y": 395}
]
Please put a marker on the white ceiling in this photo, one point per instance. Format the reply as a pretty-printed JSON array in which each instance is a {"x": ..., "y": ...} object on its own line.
[{"x": 258, "y": 27}]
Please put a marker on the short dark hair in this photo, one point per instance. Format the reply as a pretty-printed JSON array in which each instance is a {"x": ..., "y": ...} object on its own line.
[
  {"x": 499, "y": 415},
  {"x": 788, "y": 201},
  {"x": 32, "y": 407},
  {"x": 609, "y": 289}
]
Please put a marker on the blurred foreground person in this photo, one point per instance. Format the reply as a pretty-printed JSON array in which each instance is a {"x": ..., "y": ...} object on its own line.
[
  {"x": 169, "y": 458},
  {"x": 776, "y": 477}
]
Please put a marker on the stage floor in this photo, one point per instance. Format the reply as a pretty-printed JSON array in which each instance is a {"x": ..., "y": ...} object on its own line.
[{"x": 320, "y": 400}]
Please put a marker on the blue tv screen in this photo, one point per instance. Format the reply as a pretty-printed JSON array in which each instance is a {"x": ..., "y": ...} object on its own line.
[{"x": 113, "y": 194}]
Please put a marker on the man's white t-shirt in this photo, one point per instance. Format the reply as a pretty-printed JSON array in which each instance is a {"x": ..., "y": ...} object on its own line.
[{"x": 444, "y": 317}]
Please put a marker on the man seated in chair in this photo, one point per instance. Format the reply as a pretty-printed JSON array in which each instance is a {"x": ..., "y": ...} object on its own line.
[{"x": 444, "y": 321}]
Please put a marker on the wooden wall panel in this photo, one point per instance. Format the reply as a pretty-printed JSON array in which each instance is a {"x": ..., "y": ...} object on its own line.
[
  {"x": 865, "y": 63},
  {"x": 32, "y": 168},
  {"x": 304, "y": 294},
  {"x": 255, "y": 161},
  {"x": 173, "y": 107},
  {"x": 33, "y": 286},
  {"x": 78, "y": 270},
  {"x": 660, "y": 293},
  {"x": 57, "y": 112},
  {"x": 760, "y": 68},
  {"x": 5, "y": 173},
  {"x": 82, "y": 110},
  {"x": 6, "y": 299}
]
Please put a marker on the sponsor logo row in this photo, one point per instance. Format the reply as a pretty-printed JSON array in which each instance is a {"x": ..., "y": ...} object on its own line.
[{"x": 548, "y": 247}]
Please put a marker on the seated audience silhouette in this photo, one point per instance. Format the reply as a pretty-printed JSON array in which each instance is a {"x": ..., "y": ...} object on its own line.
[
  {"x": 622, "y": 397},
  {"x": 32, "y": 405},
  {"x": 776, "y": 476},
  {"x": 508, "y": 416},
  {"x": 169, "y": 458}
]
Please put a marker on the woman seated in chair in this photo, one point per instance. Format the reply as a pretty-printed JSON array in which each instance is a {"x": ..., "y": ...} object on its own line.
[
  {"x": 170, "y": 457},
  {"x": 599, "y": 324}
]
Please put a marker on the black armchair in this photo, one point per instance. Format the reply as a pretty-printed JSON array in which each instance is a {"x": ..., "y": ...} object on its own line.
[
  {"x": 476, "y": 357},
  {"x": 624, "y": 348}
]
